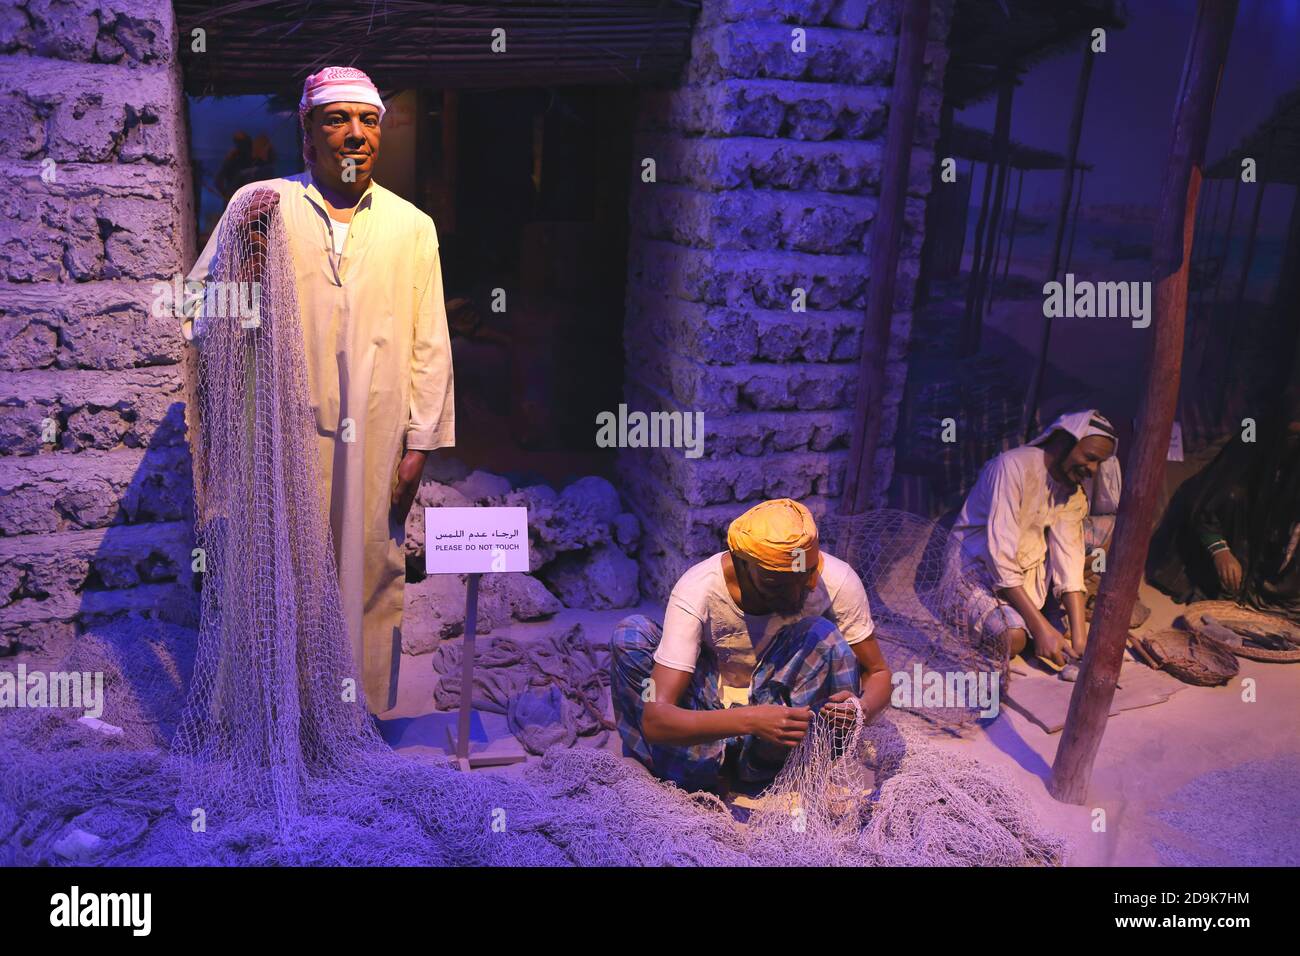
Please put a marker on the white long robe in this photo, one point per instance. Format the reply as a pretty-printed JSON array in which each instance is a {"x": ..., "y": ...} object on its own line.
[
  {"x": 379, "y": 371},
  {"x": 1022, "y": 528}
]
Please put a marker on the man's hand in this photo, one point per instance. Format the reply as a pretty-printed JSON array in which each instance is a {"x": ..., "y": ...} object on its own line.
[
  {"x": 837, "y": 706},
  {"x": 261, "y": 203},
  {"x": 1229, "y": 570},
  {"x": 1078, "y": 643},
  {"x": 1050, "y": 643},
  {"x": 776, "y": 724},
  {"x": 256, "y": 227},
  {"x": 409, "y": 470}
]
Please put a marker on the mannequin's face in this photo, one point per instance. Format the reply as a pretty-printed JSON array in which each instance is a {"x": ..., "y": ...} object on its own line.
[
  {"x": 1086, "y": 456},
  {"x": 345, "y": 136},
  {"x": 781, "y": 592}
]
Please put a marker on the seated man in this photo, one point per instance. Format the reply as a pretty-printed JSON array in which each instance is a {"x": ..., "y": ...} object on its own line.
[
  {"x": 1232, "y": 532},
  {"x": 771, "y": 624},
  {"x": 1023, "y": 525}
]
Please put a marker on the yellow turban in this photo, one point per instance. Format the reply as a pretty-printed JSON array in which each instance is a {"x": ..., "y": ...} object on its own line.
[{"x": 779, "y": 535}]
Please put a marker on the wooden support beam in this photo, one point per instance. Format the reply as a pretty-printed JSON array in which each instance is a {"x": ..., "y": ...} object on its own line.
[
  {"x": 995, "y": 250},
  {"x": 1015, "y": 220},
  {"x": 1215, "y": 191},
  {"x": 935, "y": 209},
  {"x": 1028, "y": 416},
  {"x": 999, "y": 231},
  {"x": 1252, "y": 233},
  {"x": 1227, "y": 236},
  {"x": 886, "y": 230},
  {"x": 1226, "y": 385},
  {"x": 1074, "y": 220},
  {"x": 976, "y": 259},
  {"x": 1207, "y": 224},
  {"x": 999, "y": 161},
  {"x": 1090, "y": 701},
  {"x": 1199, "y": 318}
]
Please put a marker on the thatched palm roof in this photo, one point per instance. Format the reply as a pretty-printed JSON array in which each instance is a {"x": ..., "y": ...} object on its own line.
[
  {"x": 1274, "y": 145},
  {"x": 991, "y": 36},
  {"x": 977, "y": 144},
  {"x": 265, "y": 46}
]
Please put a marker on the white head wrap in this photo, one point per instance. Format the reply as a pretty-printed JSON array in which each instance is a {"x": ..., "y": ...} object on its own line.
[
  {"x": 334, "y": 84},
  {"x": 1081, "y": 425}
]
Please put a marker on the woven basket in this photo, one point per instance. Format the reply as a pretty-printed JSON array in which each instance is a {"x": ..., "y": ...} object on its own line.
[
  {"x": 1190, "y": 657},
  {"x": 1228, "y": 613}
]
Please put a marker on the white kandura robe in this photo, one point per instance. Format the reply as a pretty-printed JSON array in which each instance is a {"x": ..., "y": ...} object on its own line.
[
  {"x": 378, "y": 353},
  {"x": 1020, "y": 527}
]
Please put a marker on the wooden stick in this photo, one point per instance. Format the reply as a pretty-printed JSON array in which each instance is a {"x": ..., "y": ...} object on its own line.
[
  {"x": 1002, "y": 156},
  {"x": 1015, "y": 219},
  {"x": 1030, "y": 411},
  {"x": 885, "y": 232},
  {"x": 976, "y": 258},
  {"x": 1090, "y": 702},
  {"x": 1074, "y": 220}
]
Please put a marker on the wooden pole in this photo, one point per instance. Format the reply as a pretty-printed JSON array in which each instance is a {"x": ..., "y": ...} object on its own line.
[
  {"x": 1015, "y": 221},
  {"x": 1226, "y": 385},
  {"x": 1252, "y": 234},
  {"x": 1227, "y": 236},
  {"x": 1207, "y": 247},
  {"x": 1198, "y": 318},
  {"x": 1000, "y": 160},
  {"x": 1030, "y": 410},
  {"x": 976, "y": 259},
  {"x": 1001, "y": 198},
  {"x": 996, "y": 250},
  {"x": 935, "y": 211},
  {"x": 885, "y": 233},
  {"x": 1074, "y": 220},
  {"x": 1090, "y": 702}
]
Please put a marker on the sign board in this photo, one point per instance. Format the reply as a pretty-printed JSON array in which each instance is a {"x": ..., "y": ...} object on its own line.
[{"x": 475, "y": 540}]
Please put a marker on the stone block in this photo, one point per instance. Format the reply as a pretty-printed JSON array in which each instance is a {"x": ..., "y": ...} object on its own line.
[
  {"x": 89, "y": 325},
  {"x": 94, "y": 221},
  {"x": 140, "y": 408},
  {"x": 94, "y": 489}
]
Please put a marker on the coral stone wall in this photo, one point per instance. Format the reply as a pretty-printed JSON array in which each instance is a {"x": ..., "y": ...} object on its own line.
[
  {"x": 767, "y": 172},
  {"x": 94, "y": 473}
]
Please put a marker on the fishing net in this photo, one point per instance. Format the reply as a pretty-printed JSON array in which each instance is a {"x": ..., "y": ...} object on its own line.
[
  {"x": 274, "y": 759},
  {"x": 921, "y": 594}
]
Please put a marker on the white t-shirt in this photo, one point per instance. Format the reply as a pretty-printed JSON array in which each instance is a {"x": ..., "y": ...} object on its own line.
[
  {"x": 701, "y": 609},
  {"x": 339, "y": 230}
]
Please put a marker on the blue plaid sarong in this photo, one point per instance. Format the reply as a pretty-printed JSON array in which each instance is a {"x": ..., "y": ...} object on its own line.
[{"x": 806, "y": 663}]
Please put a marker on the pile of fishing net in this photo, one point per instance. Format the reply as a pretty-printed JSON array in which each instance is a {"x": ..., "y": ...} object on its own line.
[
  {"x": 891, "y": 797},
  {"x": 275, "y": 760},
  {"x": 550, "y": 689}
]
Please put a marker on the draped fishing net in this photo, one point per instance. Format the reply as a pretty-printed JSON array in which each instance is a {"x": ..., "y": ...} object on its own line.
[
  {"x": 925, "y": 599},
  {"x": 275, "y": 760}
]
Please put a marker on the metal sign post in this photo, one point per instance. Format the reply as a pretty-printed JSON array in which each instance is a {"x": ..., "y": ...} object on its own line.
[
  {"x": 467, "y": 673},
  {"x": 475, "y": 541}
]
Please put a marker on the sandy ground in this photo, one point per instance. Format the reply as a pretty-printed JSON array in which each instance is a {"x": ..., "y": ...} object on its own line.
[{"x": 1204, "y": 778}]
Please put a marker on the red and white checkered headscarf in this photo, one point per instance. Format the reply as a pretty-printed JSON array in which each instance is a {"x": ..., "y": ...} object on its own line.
[{"x": 334, "y": 84}]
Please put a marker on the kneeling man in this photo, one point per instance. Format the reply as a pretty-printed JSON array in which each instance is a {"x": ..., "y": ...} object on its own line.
[
  {"x": 1022, "y": 528},
  {"x": 755, "y": 639}
]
